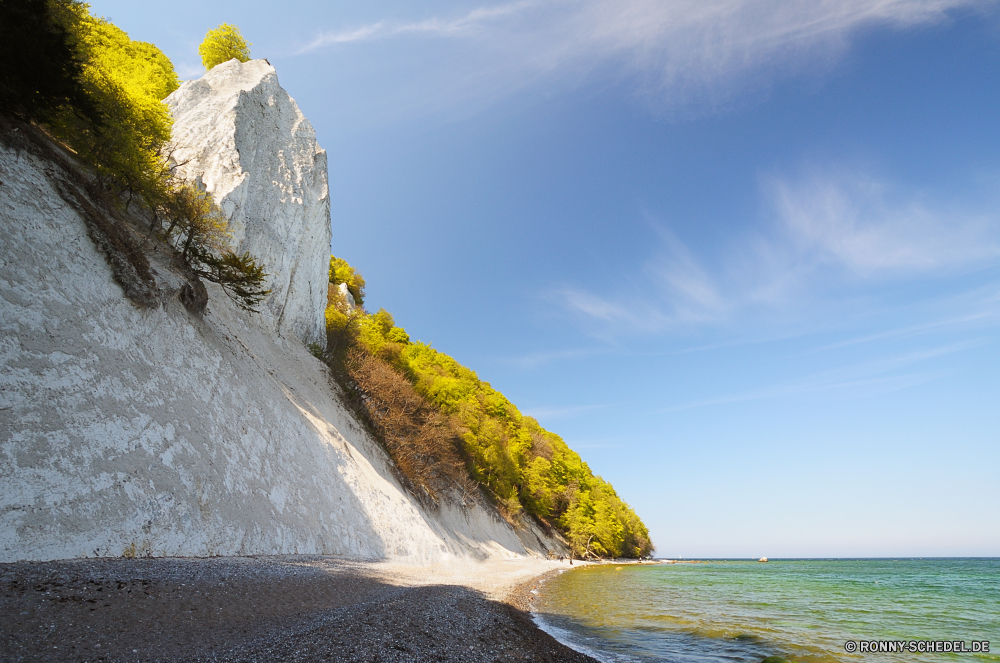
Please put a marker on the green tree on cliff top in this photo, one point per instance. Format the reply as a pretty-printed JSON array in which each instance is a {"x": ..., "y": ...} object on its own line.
[{"x": 222, "y": 45}]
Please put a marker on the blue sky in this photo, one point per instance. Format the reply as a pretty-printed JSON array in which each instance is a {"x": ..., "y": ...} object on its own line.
[{"x": 743, "y": 255}]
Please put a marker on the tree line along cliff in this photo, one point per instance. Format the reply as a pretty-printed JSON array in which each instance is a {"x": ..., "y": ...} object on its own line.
[
  {"x": 86, "y": 83},
  {"x": 447, "y": 429}
]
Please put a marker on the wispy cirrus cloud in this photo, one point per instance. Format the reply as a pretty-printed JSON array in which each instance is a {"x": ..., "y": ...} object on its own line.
[
  {"x": 884, "y": 375},
  {"x": 679, "y": 50},
  {"x": 853, "y": 222},
  {"x": 467, "y": 24},
  {"x": 840, "y": 231},
  {"x": 363, "y": 33}
]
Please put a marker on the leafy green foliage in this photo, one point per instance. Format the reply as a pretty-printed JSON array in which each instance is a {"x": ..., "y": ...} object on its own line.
[
  {"x": 336, "y": 322},
  {"x": 525, "y": 467},
  {"x": 41, "y": 72},
  {"x": 123, "y": 135},
  {"x": 523, "y": 464},
  {"x": 341, "y": 319},
  {"x": 222, "y": 45},
  {"x": 341, "y": 272},
  {"x": 239, "y": 275},
  {"x": 140, "y": 68},
  {"x": 99, "y": 91},
  {"x": 105, "y": 100}
]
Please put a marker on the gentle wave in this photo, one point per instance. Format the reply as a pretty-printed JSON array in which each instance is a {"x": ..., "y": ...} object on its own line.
[
  {"x": 572, "y": 640},
  {"x": 803, "y": 610}
]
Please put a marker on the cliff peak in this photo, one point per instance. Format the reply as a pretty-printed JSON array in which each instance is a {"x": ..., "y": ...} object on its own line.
[{"x": 239, "y": 133}]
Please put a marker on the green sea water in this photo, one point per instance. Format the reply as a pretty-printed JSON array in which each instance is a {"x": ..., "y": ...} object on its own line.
[{"x": 801, "y": 610}]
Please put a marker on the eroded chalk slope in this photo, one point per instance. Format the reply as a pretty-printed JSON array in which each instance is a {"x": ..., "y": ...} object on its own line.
[{"x": 153, "y": 431}]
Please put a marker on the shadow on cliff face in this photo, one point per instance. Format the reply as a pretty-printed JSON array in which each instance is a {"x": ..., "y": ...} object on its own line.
[
  {"x": 111, "y": 234},
  {"x": 243, "y": 609},
  {"x": 157, "y": 432},
  {"x": 151, "y": 431}
]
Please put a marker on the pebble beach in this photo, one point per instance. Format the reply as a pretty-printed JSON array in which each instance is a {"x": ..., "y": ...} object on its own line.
[{"x": 273, "y": 609}]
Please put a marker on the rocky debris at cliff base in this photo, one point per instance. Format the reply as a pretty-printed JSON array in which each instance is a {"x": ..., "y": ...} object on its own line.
[{"x": 270, "y": 609}]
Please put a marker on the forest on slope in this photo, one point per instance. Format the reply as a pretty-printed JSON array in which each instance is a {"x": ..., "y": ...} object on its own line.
[
  {"x": 89, "y": 86},
  {"x": 447, "y": 429},
  {"x": 85, "y": 82}
]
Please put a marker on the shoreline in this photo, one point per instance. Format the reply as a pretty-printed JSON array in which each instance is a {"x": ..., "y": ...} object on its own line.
[{"x": 275, "y": 608}]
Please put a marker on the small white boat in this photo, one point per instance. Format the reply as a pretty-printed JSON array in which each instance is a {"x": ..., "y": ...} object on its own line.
[{"x": 762, "y": 559}]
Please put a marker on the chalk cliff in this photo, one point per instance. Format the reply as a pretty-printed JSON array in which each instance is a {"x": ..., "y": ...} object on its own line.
[
  {"x": 153, "y": 431},
  {"x": 240, "y": 134}
]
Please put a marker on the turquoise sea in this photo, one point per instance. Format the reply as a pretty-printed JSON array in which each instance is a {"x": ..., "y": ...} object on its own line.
[{"x": 801, "y": 610}]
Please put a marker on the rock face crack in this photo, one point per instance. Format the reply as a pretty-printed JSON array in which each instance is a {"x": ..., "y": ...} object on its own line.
[
  {"x": 147, "y": 431},
  {"x": 245, "y": 138}
]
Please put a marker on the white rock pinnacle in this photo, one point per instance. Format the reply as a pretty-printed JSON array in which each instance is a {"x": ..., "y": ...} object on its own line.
[{"x": 240, "y": 134}]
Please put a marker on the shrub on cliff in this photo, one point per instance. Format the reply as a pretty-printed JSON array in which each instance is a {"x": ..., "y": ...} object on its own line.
[
  {"x": 200, "y": 231},
  {"x": 240, "y": 276},
  {"x": 341, "y": 272},
  {"x": 195, "y": 223},
  {"x": 524, "y": 467},
  {"x": 222, "y": 45}
]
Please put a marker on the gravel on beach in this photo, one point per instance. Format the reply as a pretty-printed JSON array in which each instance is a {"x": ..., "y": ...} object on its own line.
[{"x": 272, "y": 609}]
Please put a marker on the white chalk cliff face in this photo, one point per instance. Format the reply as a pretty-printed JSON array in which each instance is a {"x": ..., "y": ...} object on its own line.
[
  {"x": 240, "y": 134},
  {"x": 348, "y": 297},
  {"x": 152, "y": 431}
]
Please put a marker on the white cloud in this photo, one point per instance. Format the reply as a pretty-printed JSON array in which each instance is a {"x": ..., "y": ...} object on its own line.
[
  {"x": 828, "y": 233},
  {"x": 681, "y": 292},
  {"x": 693, "y": 290},
  {"x": 472, "y": 22},
  {"x": 854, "y": 222},
  {"x": 685, "y": 48},
  {"x": 612, "y": 314},
  {"x": 363, "y": 33},
  {"x": 715, "y": 36}
]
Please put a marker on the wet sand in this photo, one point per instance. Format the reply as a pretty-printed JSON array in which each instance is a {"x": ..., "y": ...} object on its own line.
[{"x": 272, "y": 609}]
